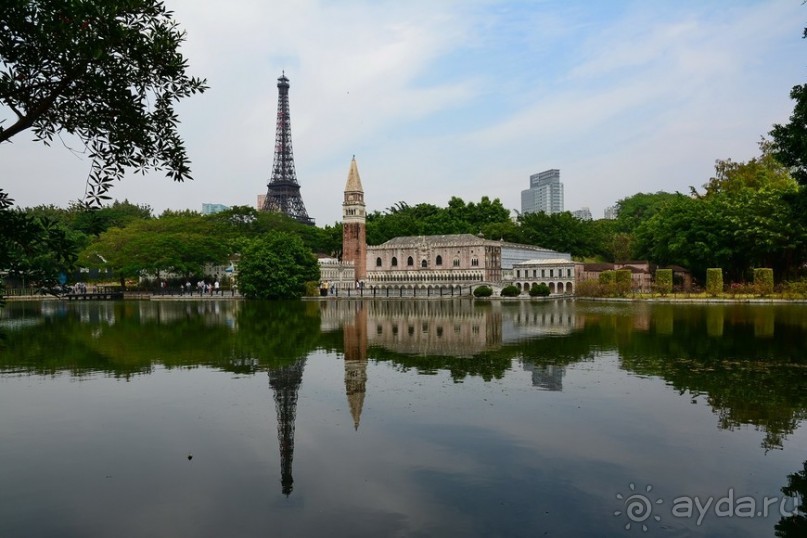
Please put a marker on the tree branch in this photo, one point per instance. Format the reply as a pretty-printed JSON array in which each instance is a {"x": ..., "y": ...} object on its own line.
[{"x": 26, "y": 121}]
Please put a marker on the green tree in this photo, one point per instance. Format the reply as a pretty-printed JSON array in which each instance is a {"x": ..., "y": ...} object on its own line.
[
  {"x": 790, "y": 139},
  {"x": 97, "y": 220},
  {"x": 634, "y": 210},
  {"x": 180, "y": 244},
  {"x": 38, "y": 250},
  {"x": 276, "y": 266},
  {"x": 561, "y": 232},
  {"x": 107, "y": 72},
  {"x": 765, "y": 171}
]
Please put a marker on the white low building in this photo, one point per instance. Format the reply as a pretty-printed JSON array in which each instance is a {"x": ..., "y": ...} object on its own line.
[
  {"x": 341, "y": 275},
  {"x": 558, "y": 274}
]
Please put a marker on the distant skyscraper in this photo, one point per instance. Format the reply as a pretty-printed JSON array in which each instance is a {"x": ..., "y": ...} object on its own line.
[
  {"x": 545, "y": 193},
  {"x": 583, "y": 214},
  {"x": 209, "y": 209},
  {"x": 611, "y": 212}
]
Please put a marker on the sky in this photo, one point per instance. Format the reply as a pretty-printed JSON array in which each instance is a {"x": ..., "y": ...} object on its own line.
[{"x": 467, "y": 98}]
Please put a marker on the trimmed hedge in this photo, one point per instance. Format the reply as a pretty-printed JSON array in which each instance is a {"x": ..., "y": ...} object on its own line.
[
  {"x": 714, "y": 281},
  {"x": 607, "y": 277},
  {"x": 664, "y": 281},
  {"x": 483, "y": 291},
  {"x": 607, "y": 280},
  {"x": 623, "y": 281},
  {"x": 763, "y": 280},
  {"x": 539, "y": 290},
  {"x": 510, "y": 291}
]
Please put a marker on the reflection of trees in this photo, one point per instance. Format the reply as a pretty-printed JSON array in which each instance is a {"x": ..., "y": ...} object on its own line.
[
  {"x": 746, "y": 361},
  {"x": 795, "y": 525},
  {"x": 751, "y": 371},
  {"x": 132, "y": 337}
]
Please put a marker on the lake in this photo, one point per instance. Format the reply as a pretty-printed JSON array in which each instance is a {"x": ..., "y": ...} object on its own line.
[{"x": 402, "y": 418}]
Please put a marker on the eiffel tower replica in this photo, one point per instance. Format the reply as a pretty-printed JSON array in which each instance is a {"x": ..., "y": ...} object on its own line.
[
  {"x": 283, "y": 193},
  {"x": 285, "y": 383}
]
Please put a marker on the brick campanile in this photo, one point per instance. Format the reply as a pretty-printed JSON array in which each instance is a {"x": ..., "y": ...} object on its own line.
[{"x": 354, "y": 233}]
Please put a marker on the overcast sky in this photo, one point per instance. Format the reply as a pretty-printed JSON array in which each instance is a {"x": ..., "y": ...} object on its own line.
[{"x": 440, "y": 98}]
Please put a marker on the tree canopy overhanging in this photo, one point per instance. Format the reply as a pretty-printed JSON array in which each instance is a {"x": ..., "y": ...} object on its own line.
[{"x": 107, "y": 72}]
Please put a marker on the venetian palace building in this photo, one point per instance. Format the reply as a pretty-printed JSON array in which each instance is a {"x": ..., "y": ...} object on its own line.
[{"x": 436, "y": 264}]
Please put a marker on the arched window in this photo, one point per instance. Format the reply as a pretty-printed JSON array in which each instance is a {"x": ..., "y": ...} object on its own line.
[
  {"x": 424, "y": 263},
  {"x": 378, "y": 262},
  {"x": 439, "y": 260},
  {"x": 394, "y": 261},
  {"x": 410, "y": 262},
  {"x": 456, "y": 262}
]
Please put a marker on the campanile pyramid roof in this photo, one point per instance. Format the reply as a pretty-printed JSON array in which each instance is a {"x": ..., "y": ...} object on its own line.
[{"x": 353, "y": 180}]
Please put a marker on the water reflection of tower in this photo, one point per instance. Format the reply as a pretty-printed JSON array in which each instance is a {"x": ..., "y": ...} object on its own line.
[
  {"x": 285, "y": 383},
  {"x": 546, "y": 376},
  {"x": 355, "y": 346}
]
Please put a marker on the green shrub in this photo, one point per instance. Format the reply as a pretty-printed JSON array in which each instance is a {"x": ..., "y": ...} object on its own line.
[
  {"x": 664, "y": 281},
  {"x": 714, "y": 281},
  {"x": 311, "y": 289},
  {"x": 539, "y": 290},
  {"x": 763, "y": 281},
  {"x": 510, "y": 291},
  {"x": 483, "y": 291},
  {"x": 795, "y": 290},
  {"x": 607, "y": 281},
  {"x": 622, "y": 281},
  {"x": 589, "y": 288}
]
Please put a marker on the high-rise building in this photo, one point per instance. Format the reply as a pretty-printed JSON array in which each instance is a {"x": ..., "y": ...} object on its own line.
[
  {"x": 611, "y": 212},
  {"x": 583, "y": 213},
  {"x": 209, "y": 209},
  {"x": 545, "y": 193}
]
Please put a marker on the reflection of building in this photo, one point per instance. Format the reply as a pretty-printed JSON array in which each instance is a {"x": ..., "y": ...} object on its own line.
[
  {"x": 546, "y": 376},
  {"x": 355, "y": 347},
  {"x": 525, "y": 320},
  {"x": 449, "y": 327},
  {"x": 285, "y": 383}
]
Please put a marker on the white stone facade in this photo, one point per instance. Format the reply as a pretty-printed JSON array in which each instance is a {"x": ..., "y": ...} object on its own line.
[
  {"x": 557, "y": 274},
  {"x": 340, "y": 275}
]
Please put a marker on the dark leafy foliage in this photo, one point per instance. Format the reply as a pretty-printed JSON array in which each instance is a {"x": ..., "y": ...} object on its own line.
[
  {"x": 276, "y": 266},
  {"x": 108, "y": 72}
]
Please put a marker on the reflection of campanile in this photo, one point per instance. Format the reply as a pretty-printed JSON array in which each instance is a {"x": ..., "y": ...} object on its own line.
[
  {"x": 354, "y": 235},
  {"x": 355, "y": 346}
]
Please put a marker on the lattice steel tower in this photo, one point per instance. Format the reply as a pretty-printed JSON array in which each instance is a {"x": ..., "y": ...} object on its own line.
[
  {"x": 285, "y": 383},
  {"x": 283, "y": 193}
]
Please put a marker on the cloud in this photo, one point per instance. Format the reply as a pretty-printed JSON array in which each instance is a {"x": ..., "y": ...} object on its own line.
[{"x": 460, "y": 98}]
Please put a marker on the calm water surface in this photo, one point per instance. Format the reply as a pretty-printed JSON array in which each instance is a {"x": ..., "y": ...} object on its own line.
[{"x": 411, "y": 418}]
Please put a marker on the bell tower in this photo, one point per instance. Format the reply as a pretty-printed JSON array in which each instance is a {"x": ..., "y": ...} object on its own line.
[{"x": 354, "y": 233}]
